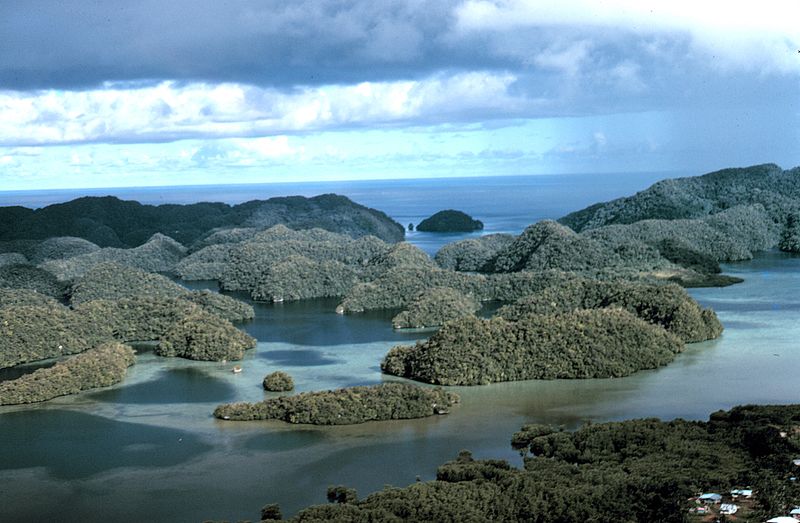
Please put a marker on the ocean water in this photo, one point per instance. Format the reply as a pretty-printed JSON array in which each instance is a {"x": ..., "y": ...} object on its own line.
[
  {"x": 505, "y": 203},
  {"x": 149, "y": 449}
]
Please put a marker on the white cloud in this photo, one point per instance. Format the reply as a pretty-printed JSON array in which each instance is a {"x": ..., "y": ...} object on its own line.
[
  {"x": 170, "y": 111},
  {"x": 759, "y": 36}
]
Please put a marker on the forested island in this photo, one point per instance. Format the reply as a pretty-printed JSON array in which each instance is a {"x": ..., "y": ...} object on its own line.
[
  {"x": 638, "y": 470},
  {"x": 450, "y": 220},
  {"x": 597, "y": 274},
  {"x": 346, "y": 406},
  {"x": 597, "y": 294}
]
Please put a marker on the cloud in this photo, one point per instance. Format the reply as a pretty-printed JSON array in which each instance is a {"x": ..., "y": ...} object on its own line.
[
  {"x": 83, "y": 43},
  {"x": 761, "y": 36},
  {"x": 171, "y": 111}
]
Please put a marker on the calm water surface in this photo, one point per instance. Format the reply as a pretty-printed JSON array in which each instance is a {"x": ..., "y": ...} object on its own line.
[{"x": 149, "y": 450}]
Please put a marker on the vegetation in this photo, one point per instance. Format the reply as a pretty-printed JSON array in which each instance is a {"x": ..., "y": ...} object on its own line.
[
  {"x": 790, "y": 236},
  {"x": 33, "y": 278},
  {"x": 110, "y": 281},
  {"x": 774, "y": 189},
  {"x": 60, "y": 248},
  {"x": 298, "y": 278},
  {"x": 638, "y": 470},
  {"x": 598, "y": 343},
  {"x": 159, "y": 254},
  {"x": 397, "y": 287},
  {"x": 668, "y": 306},
  {"x": 474, "y": 254},
  {"x": 110, "y": 222},
  {"x": 731, "y": 235},
  {"x": 185, "y": 329},
  {"x": 22, "y": 297},
  {"x": 13, "y": 258},
  {"x": 434, "y": 307},
  {"x": 345, "y": 406},
  {"x": 549, "y": 245},
  {"x": 450, "y": 221},
  {"x": 99, "y": 367},
  {"x": 278, "y": 381}
]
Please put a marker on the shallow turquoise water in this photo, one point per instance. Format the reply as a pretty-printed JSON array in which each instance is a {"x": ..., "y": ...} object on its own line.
[{"x": 150, "y": 450}]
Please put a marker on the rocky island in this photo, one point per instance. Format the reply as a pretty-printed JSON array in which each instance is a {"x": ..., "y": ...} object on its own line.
[
  {"x": 450, "y": 220},
  {"x": 603, "y": 472},
  {"x": 346, "y": 406}
]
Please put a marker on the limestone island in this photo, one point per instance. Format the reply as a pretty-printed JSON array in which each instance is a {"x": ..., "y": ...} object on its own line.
[
  {"x": 346, "y": 406},
  {"x": 450, "y": 220},
  {"x": 636, "y": 470}
]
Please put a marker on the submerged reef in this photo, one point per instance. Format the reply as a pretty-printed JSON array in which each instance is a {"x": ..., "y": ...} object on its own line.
[{"x": 345, "y": 406}]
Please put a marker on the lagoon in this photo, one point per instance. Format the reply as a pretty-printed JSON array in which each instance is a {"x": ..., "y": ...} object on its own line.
[{"x": 149, "y": 449}]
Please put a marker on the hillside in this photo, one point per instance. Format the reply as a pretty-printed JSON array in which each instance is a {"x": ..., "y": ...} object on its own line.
[{"x": 111, "y": 222}]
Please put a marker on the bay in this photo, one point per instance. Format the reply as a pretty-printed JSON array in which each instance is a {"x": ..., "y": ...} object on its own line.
[{"x": 149, "y": 449}]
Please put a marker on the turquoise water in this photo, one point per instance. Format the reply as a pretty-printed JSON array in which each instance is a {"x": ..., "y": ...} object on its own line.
[{"x": 149, "y": 449}]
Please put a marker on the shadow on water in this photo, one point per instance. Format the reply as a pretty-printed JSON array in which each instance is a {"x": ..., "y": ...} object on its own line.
[
  {"x": 286, "y": 440},
  {"x": 73, "y": 445},
  {"x": 184, "y": 385},
  {"x": 298, "y": 358},
  {"x": 12, "y": 373}
]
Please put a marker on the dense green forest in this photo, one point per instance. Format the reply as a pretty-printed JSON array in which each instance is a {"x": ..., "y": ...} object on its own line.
[
  {"x": 111, "y": 222},
  {"x": 346, "y": 406},
  {"x": 450, "y": 220},
  {"x": 630, "y": 471}
]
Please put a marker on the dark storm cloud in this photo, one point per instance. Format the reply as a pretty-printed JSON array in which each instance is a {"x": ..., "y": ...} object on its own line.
[{"x": 83, "y": 43}]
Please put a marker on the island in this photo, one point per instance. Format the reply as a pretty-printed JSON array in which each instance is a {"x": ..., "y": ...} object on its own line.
[
  {"x": 278, "y": 381},
  {"x": 346, "y": 406},
  {"x": 105, "y": 365},
  {"x": 450, "y": 220},
  {"x": 637, "y": 470}
]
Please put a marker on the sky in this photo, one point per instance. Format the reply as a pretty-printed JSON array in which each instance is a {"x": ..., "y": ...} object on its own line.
[{"x": 116, "y": 93}]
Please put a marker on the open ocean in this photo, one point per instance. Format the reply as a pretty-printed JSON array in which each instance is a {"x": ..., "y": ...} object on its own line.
[{"x": 149, "y": 449}]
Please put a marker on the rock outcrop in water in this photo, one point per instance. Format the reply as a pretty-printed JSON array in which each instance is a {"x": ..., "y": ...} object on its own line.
[
  {"x": 111, "y": 222},
  {"x": 450, "y": 221},
  {"x": 346, "y": 406},
  {"x": 598, "y": 343},
  {"x": 99, "y": 367},
  {"x": 278, "y": 381}
]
